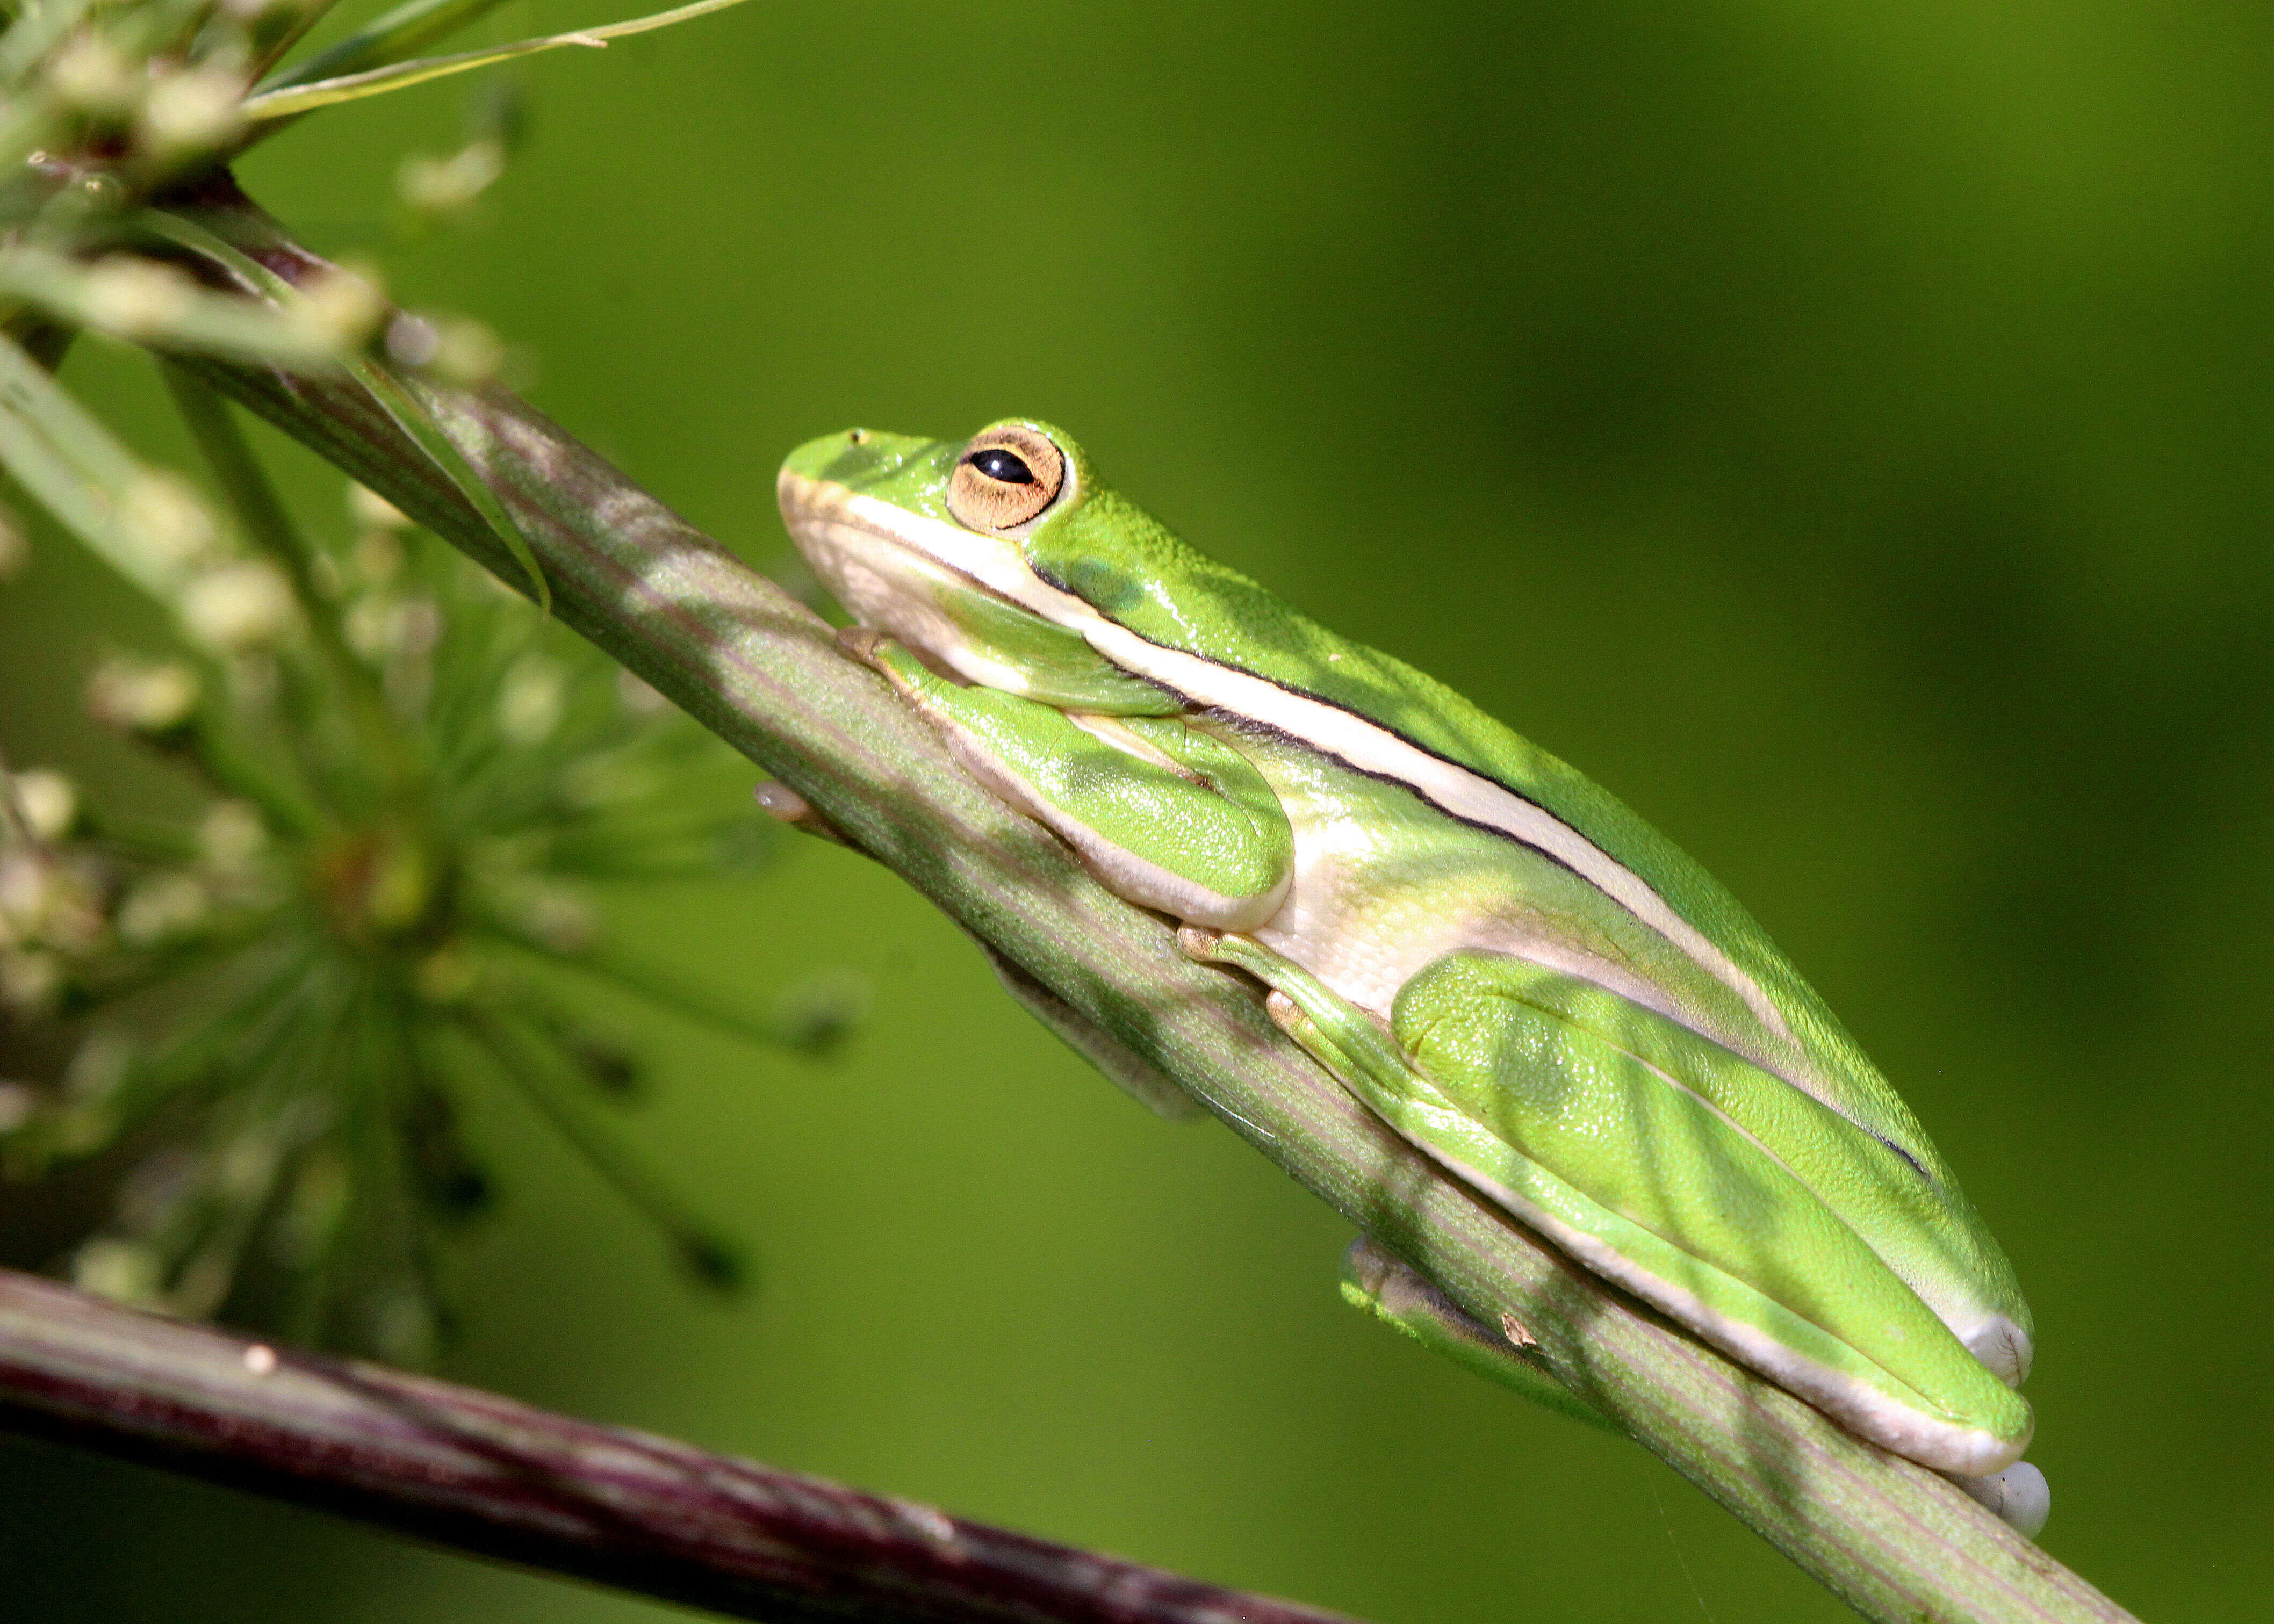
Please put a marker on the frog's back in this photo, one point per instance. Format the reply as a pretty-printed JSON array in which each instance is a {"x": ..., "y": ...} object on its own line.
[{"x": 1140, "y": 574}]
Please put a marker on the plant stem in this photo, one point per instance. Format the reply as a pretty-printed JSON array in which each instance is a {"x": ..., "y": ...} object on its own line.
[
  {"x": 652, "y": 982},
  {"x": 486, "y": 1476},
  {"x": 602, "y": 1150},
  {"x": 1896, "y": 1542}
]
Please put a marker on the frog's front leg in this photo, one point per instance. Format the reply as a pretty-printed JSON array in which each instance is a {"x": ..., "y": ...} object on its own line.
[{"x": 1162, "y": 815}]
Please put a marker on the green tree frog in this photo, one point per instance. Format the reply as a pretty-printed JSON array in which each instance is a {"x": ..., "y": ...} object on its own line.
[{"x": 1516, "y": 972}]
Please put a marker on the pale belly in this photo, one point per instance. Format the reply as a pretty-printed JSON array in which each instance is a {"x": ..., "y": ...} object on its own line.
[
  {"x": 1384, "y": 886},
  {"x": 1364, "y": 920}
]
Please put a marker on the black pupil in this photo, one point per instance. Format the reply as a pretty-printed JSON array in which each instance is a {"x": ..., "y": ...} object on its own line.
[{"x": 997, "y": 463}]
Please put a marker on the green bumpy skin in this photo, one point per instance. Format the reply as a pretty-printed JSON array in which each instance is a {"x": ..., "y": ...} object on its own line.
[{"x": 1508, "y": 965}]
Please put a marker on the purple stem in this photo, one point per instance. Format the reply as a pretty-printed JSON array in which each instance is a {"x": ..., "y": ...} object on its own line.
[{"x": 490, "y": 1476}]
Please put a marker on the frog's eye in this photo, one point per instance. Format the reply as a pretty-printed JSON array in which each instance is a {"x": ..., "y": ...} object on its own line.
[{"x": 1007, "y": 478}]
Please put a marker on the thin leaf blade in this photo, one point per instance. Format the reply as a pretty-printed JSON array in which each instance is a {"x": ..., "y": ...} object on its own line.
[
  {"x": 401, "y": 33},
  {"x": 395, "y": 395},
  {"x": 294, "y": 95},
  {"x": 174, "y": 317},
  {"x": 72, "y": 464}
]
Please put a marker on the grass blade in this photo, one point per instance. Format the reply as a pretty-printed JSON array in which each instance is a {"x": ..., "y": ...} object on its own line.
[
  {"x": 76, "y": 470},
  {"x": 399, "y": 398},
  {"x": 302, "y": 96},
  {"x": 403, "y": 31}
]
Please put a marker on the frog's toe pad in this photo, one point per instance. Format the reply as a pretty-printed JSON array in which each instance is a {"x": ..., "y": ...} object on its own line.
[
  {"x": 785, "y": 805},
  {"x": 2004, "y": 1347},
  {"x": 1197, "y": 941},
  {"x": 2019, "y": 1497},
  {"x": 781, "y": 803},
  {"x": 1285, "y": 1013}
]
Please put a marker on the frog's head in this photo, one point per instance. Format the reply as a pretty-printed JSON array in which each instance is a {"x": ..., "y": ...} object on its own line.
[{"x": 988, "y": 557}]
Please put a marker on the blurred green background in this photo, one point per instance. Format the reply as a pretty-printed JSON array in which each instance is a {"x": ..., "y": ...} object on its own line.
[{"x": 1846, "y": 431}]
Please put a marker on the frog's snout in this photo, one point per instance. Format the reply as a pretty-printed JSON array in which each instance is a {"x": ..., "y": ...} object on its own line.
[{"x": 854, "y": 458}]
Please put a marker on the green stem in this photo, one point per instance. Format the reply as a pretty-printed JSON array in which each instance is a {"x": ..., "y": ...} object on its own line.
[
  {"x": 279, "y": 28},
  {"x": 399, "y": 34},
  {"x": 652, "y": 983},
  {"x": 205, "y": 742},
  {"x": 697, "y": 1242},
  {"x": 13, "y": 824}
]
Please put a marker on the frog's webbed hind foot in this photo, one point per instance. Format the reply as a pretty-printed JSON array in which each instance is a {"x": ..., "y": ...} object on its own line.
[{"x": 779, "y": 801}]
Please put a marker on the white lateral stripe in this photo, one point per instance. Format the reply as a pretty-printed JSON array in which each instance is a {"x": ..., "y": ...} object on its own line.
[
  {"x": 1466, "y": 794},
  {"x": 997, "y": 564}
]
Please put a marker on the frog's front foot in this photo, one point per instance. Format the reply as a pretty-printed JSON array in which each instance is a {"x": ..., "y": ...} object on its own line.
[
  {"x": 1287, "y": 1015},
  {"x": 894, "y": 661},
  {"x": 1203, "y": 945}
]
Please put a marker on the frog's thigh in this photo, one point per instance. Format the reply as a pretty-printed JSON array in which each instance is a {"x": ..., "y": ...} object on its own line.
[
  {"x": 1366, "y": 1060},
  {"x": 1217, "y": 853},
  {"x": 1631, "y": 1170}
]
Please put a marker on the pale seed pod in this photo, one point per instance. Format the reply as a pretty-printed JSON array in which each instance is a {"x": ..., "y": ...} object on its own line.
[
  {"x": 134, "y": 299},
  {"x": 144, "y": 697},
  {"x": 192, "y": 112},
  {"x": 46, "y": 800},
  {"x": 238, "y": 606}
]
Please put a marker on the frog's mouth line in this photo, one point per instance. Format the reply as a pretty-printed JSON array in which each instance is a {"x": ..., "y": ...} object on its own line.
[
  {"x": 812, "y": 508},
  {"x": 898, "y": 571}
]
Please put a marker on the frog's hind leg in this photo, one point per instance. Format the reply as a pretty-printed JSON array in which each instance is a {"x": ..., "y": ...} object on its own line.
[
  {"x": 1675, "y": 1169},
  {"x": 1350, "y": 1044},
  {"x": 1354, "y": 1048}
]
